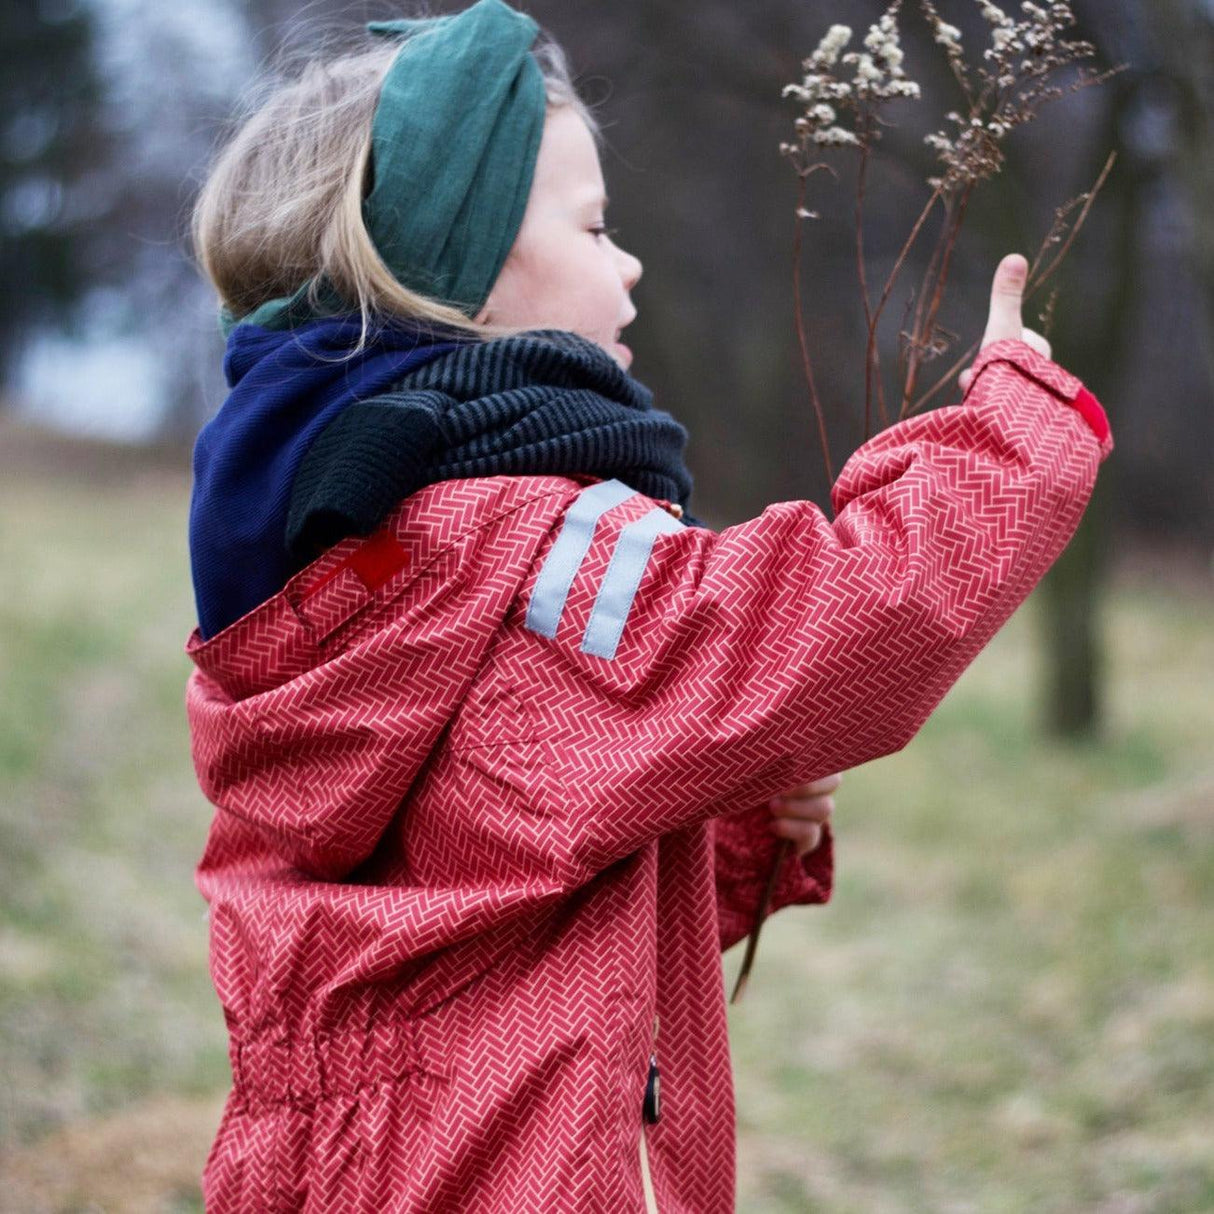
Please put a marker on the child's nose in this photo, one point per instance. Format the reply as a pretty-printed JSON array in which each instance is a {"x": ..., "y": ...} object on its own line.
[{"x": 632, "y": 270}]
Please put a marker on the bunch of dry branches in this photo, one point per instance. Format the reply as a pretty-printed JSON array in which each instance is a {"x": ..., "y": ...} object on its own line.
[{"x": 842, "y": 99}]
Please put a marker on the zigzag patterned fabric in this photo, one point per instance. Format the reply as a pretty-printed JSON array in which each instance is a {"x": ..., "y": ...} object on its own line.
[{"x": 470, "y": 872}]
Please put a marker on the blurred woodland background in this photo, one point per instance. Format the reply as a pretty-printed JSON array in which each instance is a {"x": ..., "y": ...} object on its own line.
[{"x": 1012, "y": 994}]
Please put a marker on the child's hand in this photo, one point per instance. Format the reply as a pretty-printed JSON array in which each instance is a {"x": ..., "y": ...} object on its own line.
[
  {"x": 1005, "y": 320},
  {"x": 801, "y": 812}
]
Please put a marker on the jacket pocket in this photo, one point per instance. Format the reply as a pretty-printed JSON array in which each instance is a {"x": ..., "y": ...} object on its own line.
[{"x": 518, "y": 777}]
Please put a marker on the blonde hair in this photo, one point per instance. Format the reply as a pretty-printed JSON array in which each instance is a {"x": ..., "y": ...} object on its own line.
[{"x": 282, "y": 202}]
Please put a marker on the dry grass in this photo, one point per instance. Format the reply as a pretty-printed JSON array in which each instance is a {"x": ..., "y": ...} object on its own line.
[
  {"x": 1009, "y": 1006},
  {"x": 141, "y": 1160}
]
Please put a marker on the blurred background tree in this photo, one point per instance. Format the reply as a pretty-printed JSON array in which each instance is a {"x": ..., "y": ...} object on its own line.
[
  {"x": 114, "y": 107},
  {"x": 51, "y": 150},
  {"x": 1008, "y": 1002},
  {"x": 1134, "y": 320}
]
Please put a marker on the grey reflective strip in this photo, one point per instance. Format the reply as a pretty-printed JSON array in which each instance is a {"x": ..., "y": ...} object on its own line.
[
  {"x": 565, "y": 556},
  {"x": 619, "y": 588}
]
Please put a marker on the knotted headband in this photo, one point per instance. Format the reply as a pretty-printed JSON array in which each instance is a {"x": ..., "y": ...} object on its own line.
[
  {"x": 454, "y": 142},
  {"x": 453, "y": 147}
]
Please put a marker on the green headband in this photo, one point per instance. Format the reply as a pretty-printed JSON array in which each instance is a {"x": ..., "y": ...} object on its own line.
[
  {"x": 453, "y": 145},
  {"x": 454, "y": 142}
]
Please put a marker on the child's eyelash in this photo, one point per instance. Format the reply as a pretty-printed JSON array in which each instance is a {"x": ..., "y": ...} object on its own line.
[{"x": 603, "y": 231}]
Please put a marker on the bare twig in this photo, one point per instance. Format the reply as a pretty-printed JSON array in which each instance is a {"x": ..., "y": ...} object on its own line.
[
  {"x": 1036, "y": 277},
  {"x": 1089, "y": 200},
  {"x": 1046, "y": 320},
  {"x": 939, "y": 385},
  {"x": 803, "y": 341},
  {"x": 752, "y": 942},
  {"x": 923, "y": 342}
]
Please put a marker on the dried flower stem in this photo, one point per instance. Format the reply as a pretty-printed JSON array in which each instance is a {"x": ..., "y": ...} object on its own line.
[
  {"x": 919, "y": 344},
  {"x": 908, "y": 335},
  {"x": 870, "y": 365},
  {"x": 802, "y": 340},
  {"x": 861, "y": 174},
  {"x": 752, "y": 943},
  {"x": 1003, "y": 91},
  {"x": 871, "y": 355},
  {"x": 1037, "y": 277}
]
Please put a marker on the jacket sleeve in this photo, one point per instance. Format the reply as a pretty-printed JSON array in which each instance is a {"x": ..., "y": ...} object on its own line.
[
  {"x": 743, "y": 850},
  {"x": 682, "y": 674}
]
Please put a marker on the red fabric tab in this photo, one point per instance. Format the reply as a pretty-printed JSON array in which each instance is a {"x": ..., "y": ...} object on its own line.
[
  {"x": 374, "y": 562},
  {"x": 1093, "y": 413},
  {"x": 377, "y": 560},
  {"x": 349, "y": 586}
]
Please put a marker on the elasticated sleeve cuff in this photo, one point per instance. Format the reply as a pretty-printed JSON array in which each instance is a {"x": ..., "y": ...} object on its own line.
[{"x": 1059, "y": 382}]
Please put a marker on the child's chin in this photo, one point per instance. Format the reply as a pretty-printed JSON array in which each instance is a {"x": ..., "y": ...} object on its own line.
[{"x": 621, "y": 353}]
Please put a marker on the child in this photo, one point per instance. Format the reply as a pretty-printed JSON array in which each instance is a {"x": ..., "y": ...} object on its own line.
[{"x": 491, "y": 723}]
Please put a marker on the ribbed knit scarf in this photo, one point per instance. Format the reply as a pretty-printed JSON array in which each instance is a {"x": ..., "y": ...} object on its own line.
[
  {"x": 278, "y": 480},
  {"x": 545, "y": 402}
]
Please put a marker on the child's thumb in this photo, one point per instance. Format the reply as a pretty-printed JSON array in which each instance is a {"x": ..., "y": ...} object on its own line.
[{"x": 1007, "y": 296}]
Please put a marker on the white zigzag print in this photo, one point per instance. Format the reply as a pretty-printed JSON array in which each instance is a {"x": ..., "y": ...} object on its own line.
[{"x": 459, "y": 867}]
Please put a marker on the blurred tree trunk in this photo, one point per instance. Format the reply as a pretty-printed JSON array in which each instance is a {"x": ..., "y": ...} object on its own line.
[
  {"x": 1072, "y": 666},
  {"x": 1090, "y": 342},
  {"x": 1091, "y": 336},
  {"x": 1186, "y": 45},
  {"x": 50, "y": 144}
]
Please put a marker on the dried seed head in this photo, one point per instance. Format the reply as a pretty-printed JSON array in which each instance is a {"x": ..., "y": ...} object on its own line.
[
  {"x": 835, "y": 136},
  {"x": 994, "y": 15},
  {"x": 1009, "y": 85},
  {"x": 827, "y": 54},
  {"x": 826, "y": 93},
  {"x": 949, "y": 36}
]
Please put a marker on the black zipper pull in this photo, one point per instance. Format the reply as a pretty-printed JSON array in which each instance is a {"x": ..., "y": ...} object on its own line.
[{"x": 652, "y": 1109}]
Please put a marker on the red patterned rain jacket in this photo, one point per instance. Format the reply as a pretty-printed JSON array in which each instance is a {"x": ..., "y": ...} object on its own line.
[{"x": 491, "y": 799}]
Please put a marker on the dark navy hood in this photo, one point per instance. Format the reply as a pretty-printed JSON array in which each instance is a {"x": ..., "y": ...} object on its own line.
[{"x": 285, "y": 388}]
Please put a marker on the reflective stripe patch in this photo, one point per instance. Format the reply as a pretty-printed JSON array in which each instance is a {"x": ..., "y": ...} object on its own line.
[
  {"x": 614, "y": 599},
  {"x": 565, "y": 556}
]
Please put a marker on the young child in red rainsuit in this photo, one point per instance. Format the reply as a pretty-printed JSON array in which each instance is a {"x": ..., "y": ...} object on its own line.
[{"x": 492, "y": 726}]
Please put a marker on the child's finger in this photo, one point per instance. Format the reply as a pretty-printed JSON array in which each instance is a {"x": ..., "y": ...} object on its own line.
[
  {"x": 1007, "y": 296},
  {"x": 816, "y": 787},
  {"x": 1006, "y": 319},
  {"x": 805, "y": 835},
  {"x": 1039, "y": 343},
  {"x": 805, "y": 809}
]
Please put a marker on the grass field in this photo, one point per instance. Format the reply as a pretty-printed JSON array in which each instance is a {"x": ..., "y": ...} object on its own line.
[{"x": 1008, "y": 1006}]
